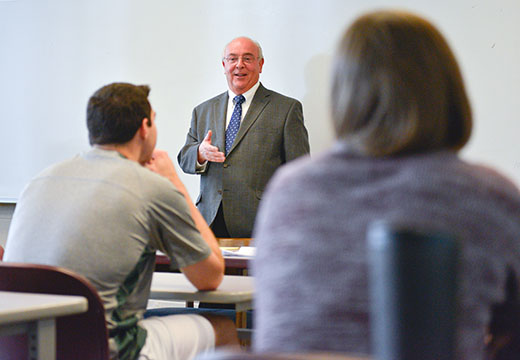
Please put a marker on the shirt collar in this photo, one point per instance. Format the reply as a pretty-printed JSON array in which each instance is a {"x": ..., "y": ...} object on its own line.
[
  {"x": 99, "y": 150},
  {"x": 248, "y": 94}
]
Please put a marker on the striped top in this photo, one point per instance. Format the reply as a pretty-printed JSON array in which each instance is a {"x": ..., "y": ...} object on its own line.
[{"x": 311, "y": 243}]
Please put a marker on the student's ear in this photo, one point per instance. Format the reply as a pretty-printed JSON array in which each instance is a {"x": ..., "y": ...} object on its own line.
[{"x": 144, "y": 128}]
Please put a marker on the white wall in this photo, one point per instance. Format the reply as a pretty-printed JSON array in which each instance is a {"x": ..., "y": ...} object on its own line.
[
  {"x": 54, "y": 54},
  {"x": 6, "y": 213}
]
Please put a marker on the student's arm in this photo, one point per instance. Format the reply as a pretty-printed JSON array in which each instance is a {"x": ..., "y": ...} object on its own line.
[{"x": 206, "y": 274}]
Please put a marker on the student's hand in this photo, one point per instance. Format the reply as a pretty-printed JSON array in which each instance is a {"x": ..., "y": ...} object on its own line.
[
  {"x": 161, "y": 164},
  {"x": 208, "y": 152}
]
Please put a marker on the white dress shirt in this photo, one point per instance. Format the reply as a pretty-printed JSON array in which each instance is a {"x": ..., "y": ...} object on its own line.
[{"x": 249, "y": 94}]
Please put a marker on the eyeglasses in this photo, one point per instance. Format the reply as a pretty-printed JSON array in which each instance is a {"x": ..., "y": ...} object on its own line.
[{"x": 233, "y": 59}]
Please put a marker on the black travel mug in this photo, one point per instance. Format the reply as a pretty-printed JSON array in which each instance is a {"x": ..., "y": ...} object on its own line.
[{"x": 412, "y": 286}]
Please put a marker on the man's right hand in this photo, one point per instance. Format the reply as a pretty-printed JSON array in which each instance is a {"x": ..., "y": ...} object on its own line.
[{"x": 208, "y": 152}]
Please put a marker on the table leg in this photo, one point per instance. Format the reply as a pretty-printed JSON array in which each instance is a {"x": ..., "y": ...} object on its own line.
[
  {"x": 241, "y": 319},
  {"x": 42, "y": 340}
]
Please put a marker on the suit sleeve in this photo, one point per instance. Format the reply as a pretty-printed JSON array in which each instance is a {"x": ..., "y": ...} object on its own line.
[
  {"x": 187, "y": 156},
  {"x": 296, "y": 138}
]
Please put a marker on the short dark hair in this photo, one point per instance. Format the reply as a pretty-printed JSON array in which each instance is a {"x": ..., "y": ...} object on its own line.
[
  {"x": 116, "y": 111},
  {"x": 397, "y": 87}
]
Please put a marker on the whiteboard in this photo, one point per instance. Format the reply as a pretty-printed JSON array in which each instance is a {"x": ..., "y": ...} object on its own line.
[{"x": 55, "y": 53}]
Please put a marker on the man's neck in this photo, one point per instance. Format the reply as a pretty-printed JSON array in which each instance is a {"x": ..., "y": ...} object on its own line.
[
  {"x": 248, "y": 93},
  {"x": 124, "y": 150}
]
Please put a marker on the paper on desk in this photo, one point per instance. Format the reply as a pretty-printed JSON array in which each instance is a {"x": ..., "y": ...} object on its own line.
[{"x": 246, "y": 251}]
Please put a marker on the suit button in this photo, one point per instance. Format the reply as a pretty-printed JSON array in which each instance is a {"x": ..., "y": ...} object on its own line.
[{"x": 225, "y": 165}]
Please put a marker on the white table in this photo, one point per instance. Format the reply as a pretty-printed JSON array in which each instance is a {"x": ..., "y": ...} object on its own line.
[
  {"x": 234, "y": 289},
  {"x": 35, "y": 315}
]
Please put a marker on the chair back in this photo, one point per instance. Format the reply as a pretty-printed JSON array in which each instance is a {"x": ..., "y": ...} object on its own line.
[
  {"x": 81, "y": 336},
  {"x": 413, "y": 283}
]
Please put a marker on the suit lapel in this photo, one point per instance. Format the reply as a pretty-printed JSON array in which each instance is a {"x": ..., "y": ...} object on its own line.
[
  {"x": 260, "y": 100},
  {"x": 219, "y": 121}
]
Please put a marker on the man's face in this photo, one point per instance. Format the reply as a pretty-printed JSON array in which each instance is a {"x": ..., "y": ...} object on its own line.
[
  {"x": 150, "y": 141},
  {"x": 241, "y": 72}
]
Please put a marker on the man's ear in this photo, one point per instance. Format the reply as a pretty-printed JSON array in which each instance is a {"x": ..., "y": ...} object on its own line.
[{"x": 144, "y": 129}]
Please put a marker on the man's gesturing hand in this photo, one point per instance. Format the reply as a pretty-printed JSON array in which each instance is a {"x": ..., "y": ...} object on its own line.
[{"x": 208, "y": 152}]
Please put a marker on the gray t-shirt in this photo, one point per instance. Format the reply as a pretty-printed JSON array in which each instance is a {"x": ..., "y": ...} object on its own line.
[
  {"x": 104, "y": 216},
  {"x": 311, "y": 265}
]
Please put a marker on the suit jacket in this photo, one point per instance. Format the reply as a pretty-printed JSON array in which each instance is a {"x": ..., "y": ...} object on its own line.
[{"x": 271, "y": 134}]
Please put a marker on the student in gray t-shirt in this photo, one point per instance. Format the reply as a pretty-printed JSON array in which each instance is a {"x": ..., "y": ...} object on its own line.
[{"x": 104, "y": 213}]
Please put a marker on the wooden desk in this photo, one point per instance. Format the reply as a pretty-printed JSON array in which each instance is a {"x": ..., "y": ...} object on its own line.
[
  {"x": 235, "y": 265},
  {"x": 239, "y": 255},
  {"x": 230, "y": 242},
  {"x": 234, "y": 289},
  {"x": 35, "y": 315}
]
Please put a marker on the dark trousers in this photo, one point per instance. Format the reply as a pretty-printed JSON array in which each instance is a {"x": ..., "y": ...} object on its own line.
[
  {"x": 220, "y": 230},
  {"x": 219, "y": 224}
]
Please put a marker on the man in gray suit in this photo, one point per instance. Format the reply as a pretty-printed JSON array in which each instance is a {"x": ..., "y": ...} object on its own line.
[{"x": 238, "y": 139}]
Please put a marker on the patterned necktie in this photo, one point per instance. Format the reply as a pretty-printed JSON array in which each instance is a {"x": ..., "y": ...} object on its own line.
[{"x": 234, "y": 123}]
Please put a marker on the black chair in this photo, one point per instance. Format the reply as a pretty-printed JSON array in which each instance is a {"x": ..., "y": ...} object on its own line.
[
  {"x": 413, "y": 284},
  {"x": 503, "y": 331}
]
